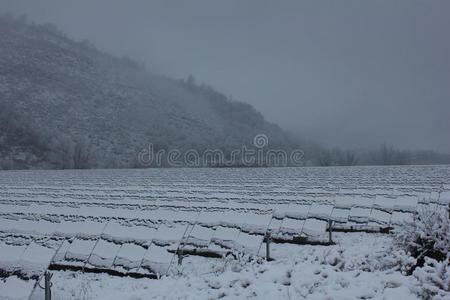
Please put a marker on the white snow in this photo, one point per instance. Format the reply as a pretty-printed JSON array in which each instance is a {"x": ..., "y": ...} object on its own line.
[
  {"x": 358, "y": 268},
  {"x": 15, "y": 288},
  {"x": 108, "y": 219}
]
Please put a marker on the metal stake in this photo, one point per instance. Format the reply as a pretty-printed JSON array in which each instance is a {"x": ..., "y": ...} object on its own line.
[
  {"x": 268, "y": 239},
  {"x": 48, "y": 285},
  {"x": 330, "y": 230}
]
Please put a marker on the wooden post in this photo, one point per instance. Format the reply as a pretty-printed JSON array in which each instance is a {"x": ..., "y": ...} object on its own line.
[
  {"x": 180, "y": 256},
  {"x": 268, "y": 238},
  {"x": 330, "y": 230},
  {"x": 48, "y": 285}
]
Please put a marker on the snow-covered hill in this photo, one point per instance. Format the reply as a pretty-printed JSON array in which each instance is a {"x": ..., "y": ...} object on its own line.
[{"x": 59, "y": 96}]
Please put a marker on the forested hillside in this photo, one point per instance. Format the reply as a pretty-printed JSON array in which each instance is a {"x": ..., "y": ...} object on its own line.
[{"x": 65, "y": 104}]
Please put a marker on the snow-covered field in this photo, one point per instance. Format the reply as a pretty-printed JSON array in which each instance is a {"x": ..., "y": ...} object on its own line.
[
  {"x": 133, "y": 222},
  {"x": 356, "y": 268}
]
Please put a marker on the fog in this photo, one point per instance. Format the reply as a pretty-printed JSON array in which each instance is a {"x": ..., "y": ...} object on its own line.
[{"x": 348, "y": 73}]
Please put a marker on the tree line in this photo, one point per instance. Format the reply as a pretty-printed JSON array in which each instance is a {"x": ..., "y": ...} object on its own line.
[{"x": 384, "y": 154}]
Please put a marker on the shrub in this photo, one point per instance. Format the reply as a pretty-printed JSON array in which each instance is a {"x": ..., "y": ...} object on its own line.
[
  {"x": 426, "y": 235},
  {"x": 434, "y": 279},
  {"x": 427, "y": 239}
]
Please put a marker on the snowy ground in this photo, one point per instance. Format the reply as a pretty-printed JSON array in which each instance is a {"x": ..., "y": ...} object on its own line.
[
  {"x": 360, "y": 266},
  {"x": 128, "y": 221}
]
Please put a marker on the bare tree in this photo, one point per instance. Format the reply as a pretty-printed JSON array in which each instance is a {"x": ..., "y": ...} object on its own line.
[
  {"x": 82, "y": 154},
  {"x": 402, "y": 157},
  {"x": 61, "y": 152},
  {"x": 386, "y": 154},
  {"x": 350, "y": 158},
  {"x": 337, "y": 157},
  {"x": 326, "y": 158}
]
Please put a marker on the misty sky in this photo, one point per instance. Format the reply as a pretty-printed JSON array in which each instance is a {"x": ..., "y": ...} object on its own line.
[{"x": 356, "y": 73}]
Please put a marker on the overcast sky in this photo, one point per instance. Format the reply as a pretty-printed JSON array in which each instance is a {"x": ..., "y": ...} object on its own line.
[{"x": 355, "y": 73}]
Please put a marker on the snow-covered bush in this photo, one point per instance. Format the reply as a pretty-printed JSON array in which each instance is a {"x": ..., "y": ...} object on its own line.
[
  {"x": 426, "y": 238},
  {"x": 434, "y": 279},
  {"x": 426, "y": 235}
]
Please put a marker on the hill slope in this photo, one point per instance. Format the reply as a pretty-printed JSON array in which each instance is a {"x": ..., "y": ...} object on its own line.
[{"x": 65, "y": 104}]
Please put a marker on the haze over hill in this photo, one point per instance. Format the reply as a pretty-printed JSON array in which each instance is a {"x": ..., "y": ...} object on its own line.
[
  {"x": 59, "y": 97},
  {"x": 357, "y": 74},
  {"x": 66, "y": 104}
]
